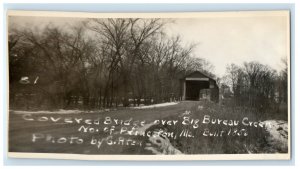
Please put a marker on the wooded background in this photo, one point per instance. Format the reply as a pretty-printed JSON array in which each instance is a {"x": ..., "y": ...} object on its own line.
[{"x": 121, "y": 62}]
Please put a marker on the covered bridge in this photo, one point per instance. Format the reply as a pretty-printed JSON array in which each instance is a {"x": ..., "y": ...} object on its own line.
[{"x": 198, "y": 86}]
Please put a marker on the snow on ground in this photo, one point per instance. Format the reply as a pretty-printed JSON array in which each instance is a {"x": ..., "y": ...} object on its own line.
[
  {"x": 63, "y": 111},
  {"x": 161, "y": 145},
  {"x": 60, "y": 111},
  {"x": 156, "y": 105},
  {"x": 158, "y": 144},
  {"x": 278, "y": 130}
]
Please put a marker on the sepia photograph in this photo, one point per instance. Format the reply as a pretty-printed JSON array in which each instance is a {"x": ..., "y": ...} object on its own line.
[{"x": 145, "y": 86}]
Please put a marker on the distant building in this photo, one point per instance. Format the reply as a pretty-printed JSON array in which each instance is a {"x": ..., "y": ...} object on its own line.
[{"x": 198, "y": 86}]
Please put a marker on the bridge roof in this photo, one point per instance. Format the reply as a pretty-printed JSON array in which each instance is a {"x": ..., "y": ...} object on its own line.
[{"x": 197, "y": 74}]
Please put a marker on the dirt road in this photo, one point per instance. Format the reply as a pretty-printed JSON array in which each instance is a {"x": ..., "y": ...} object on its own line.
[
  {"x": 21, "y": 131},
  {"x": 130, "y": 131}
]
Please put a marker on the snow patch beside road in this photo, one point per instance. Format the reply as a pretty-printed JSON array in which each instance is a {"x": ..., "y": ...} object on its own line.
[
  {"x": 161, "y": 145},
  {"x": 278, "y": 130},
  {"x": 60, "y": 111},
  {"x": 156, "y": 105}
]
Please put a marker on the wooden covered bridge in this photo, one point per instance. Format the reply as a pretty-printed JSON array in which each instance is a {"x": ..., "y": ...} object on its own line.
[{"x": 198, "y": 86}]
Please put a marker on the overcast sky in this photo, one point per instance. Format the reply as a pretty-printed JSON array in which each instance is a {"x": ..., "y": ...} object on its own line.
[
  {"x": 220, "y": 40},
  {"x": 236, "y": 40}
]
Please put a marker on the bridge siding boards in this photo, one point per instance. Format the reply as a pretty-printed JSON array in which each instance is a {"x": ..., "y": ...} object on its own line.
[{"x": 198, "y": 83}]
